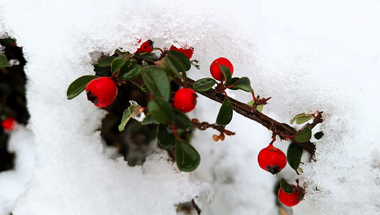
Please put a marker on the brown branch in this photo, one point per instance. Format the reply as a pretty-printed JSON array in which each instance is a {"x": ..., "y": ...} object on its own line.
[{"x": 281, "y": 129}]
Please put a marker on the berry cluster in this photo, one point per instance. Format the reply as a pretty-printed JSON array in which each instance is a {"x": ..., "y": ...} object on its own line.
[
  {"x": 273, "y": 160},
  {"x": 102, "y": 91}
]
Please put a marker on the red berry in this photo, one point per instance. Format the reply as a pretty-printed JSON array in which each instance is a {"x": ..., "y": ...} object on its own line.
[
  {"x": 9, "y": 123},
  {"x": 147, "y": 47},
  {"x": 101, "y": 91},
  {"x": 272, "y": 159},
  {"x": 187, "y": 52},
  {"x": 185, "y": 100},
  {"x": 215, "y": 70},
  {"x": 288, "y": 199}
]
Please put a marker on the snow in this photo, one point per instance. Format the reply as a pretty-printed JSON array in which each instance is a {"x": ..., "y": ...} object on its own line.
[
  {"x": 307, "y": 56},
  {"x": 12, "y": 182}
]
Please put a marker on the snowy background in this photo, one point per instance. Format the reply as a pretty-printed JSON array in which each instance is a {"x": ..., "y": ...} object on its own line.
[{"x": 306, "y": 55}]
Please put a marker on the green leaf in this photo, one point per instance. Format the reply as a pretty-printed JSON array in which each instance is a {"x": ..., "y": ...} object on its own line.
[
  {"x": 204, "y": 84},
  {"x": 181, "y": 120},
  {"x": 318, "y": 135},
  {"x": 304, "y": 135},
  {"x": 116, "y": 64},
  {"x": 181, "y": 58},
  {"x": 105, "y": 61},
  {"x": 161, "y": 110},
  {"x": 157, "y": 81},
  {"x": 78, "y": 86},
  {"x": 243, "y": 84},
  {"x": 130, "y": 69},
  {"x": 303, "y": 119},
  {"x": 259, "y": 107},
  {"x": 294, "y": 155},
  {"x": 298, "y": 116},
  {"x": 175, "y": 66},
  {"x": 151, "y": 57},
  {"x": 127, "y": 115},
  {"x": 165, "y": 138},
  {"x": 187, "y": 157},
  {"x": 101, "y": 70},
  {"x": 149, "y": 120},
  {"x": 226, "y": 73},
  {"x": 225, "y": 113},
  {"x": 232, "y": 82},
  {"x": 3, "y": 61},
  {"x": 292, "y": 120},
  {"x": 287, "y": 188}
]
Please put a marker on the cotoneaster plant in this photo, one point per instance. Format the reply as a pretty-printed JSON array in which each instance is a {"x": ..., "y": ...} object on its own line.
[{"x": 156, "y": 70}]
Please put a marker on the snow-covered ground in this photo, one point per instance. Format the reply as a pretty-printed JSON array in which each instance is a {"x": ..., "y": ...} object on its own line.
[{"x": 307, "y": 56}]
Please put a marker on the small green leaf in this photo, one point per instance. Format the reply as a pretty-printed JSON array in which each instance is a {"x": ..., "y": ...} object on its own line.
[
  {"x": 187, "y": 157},
  {"x": 243, "y": 84},
  {"x": 175, "y": 66},
  {"x": 101, "y": 70},
  {"x": 130, "y": 69},
  {"x": 294, "y": 155},
  {"x": 232, "y": 82},
  {"x": 304, "y": 135},
  {"x": 161, "y": 110},
  {"x": 318, "y": 135},
  {"x": 165, "y": 138},
  {"x": 225, "y": 113},
  {"x": 226, "y": 73},
  {"x": 303, "y": 119},
  {"x": 105, "y": 61},
  {"x": 127, "y": 115},
  {"x": 292, "y": 120},
  {"x": 78, "y": 86},
  {"x": 298, "y": 116},
  {"x": 3, "y": 61},
  {"x": 116, "y": 64},
  {"x": 204, "y": 84},
  {"x": 287, "y": 188},
  {"x": 258, "y": 108},
  {"x": 181, "y": 120},
  {"x": 157, "y": 81},
  {"x": 151, "y": 57},
  {"x": 181, "y": 58},
  {"x": 149, "y": 120},
  {"x": 300, "y": 170}
]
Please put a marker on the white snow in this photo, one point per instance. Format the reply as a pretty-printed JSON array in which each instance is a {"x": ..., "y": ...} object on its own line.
[
  {"x": 12, "y": 182},
  {"x": 306, "y": 55}
]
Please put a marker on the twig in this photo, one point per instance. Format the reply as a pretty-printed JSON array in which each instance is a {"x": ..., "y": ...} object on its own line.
[{"x": 281, "y": 129}]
